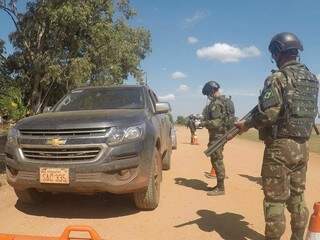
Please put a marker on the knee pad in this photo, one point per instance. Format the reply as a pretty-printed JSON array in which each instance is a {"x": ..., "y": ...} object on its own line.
[{"x": 275, "y": 219}]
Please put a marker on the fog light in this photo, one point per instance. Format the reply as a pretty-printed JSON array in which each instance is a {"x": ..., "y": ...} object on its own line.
[{"x": 124, "y": 174}]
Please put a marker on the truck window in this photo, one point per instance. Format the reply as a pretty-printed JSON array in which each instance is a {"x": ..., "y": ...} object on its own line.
[{"x": 102, "y": 98}]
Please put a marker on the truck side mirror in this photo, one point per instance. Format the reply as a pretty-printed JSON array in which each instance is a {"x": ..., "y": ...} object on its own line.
[
  {"x": 162, "y": 107},
  {"x": 47, "y": 109}
]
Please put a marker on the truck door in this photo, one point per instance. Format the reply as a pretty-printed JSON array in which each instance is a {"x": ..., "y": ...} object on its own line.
[{"x": 164, "y": 125}]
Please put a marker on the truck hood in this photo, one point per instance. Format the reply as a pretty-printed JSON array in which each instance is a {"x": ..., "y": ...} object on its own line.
[{"x": 83, "y": 119}]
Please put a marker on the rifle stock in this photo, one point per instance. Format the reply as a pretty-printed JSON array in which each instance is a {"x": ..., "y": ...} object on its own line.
[{"x": 228, "y": 135}]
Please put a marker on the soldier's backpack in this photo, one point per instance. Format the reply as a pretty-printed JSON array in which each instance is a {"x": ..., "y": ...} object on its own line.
[{"x": 230, "y": 112}]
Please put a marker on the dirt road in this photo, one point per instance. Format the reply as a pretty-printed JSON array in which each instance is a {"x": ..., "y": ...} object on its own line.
[{"x": 185, "y": 211}]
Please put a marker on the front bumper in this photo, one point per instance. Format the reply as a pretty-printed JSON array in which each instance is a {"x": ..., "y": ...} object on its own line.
[{"x": 121, "y": 169}]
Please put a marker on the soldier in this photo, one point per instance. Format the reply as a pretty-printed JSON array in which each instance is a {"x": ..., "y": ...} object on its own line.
[
  {"x": 287, "y": 110},
  {"x": 192, "y": 126},
  {"x": 217, "y": 116}
]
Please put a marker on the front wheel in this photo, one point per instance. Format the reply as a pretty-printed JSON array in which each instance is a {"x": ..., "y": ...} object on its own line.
[{"x": 148, "y": 199}]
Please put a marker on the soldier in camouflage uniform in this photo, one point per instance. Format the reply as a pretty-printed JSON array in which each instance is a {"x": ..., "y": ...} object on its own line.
[
  {"x": 192, "y": 126},
  {"x": 215, "y": 119},
  {"x": 287, "y": 109}
]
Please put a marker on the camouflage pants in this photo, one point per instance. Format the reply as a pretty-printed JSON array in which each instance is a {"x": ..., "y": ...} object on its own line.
[
  {"x": 283, "y": 178},
  {"x": 217, "y": 159},
  {"x": 193, "y": 132}
]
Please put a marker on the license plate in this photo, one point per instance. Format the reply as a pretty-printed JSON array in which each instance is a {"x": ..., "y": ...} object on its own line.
[{"x": 54, "y": 175}]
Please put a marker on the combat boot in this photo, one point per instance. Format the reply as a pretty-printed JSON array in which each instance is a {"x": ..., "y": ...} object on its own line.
[{"x": 217, "y": 190}]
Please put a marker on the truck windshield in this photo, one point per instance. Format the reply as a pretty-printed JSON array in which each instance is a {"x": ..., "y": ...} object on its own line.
[{"x": 102, "y": 98}]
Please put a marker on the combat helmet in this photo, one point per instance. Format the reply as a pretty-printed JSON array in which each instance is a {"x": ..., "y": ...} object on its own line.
[
  {"x": 209, "y": 87},
  {"x": 283, "y": 42}
]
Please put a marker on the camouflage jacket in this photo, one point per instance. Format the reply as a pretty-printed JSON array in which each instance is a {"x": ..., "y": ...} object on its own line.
[
  {"x": 214, "y": 115},
  {"x": 191, "y": 124},
  {"x": 272, "y": 100}
]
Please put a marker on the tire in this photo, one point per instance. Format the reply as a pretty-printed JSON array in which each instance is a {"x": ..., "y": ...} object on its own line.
[
  {"x": 166, "y": 164},
  {"x": 148, "y": 199},
  {"x": 30, "y": 196}
]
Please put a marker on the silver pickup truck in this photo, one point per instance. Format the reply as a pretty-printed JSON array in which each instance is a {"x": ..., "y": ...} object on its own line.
[{"x": 97, "y": 139}]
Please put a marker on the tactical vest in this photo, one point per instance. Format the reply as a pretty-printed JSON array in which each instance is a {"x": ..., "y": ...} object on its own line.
[
  {"x": 228, "y": 113},
  {"x": 300, "y": 99}
]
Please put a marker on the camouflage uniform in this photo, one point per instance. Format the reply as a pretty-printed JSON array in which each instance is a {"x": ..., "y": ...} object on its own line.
[
  {"x": 214, "y": 117},
  {"x": 191, "y": 125},
  {"x": 286, "y": 150}
]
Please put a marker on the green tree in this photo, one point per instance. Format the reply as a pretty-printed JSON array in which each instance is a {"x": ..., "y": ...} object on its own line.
[
  {"x": 11, "y": 105},
  {"x": 181, "y": 120},
  {"x": 3, "y": 72},
  {"x": 62, "y": 44},
  {"x": 170, "y": 118},
  {"x": 11, "y": 100}
]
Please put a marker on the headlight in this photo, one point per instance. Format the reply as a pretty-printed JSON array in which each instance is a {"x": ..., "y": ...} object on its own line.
[
  {"x": 118, "y": 135},
  {"x": 12, "y": 136}
]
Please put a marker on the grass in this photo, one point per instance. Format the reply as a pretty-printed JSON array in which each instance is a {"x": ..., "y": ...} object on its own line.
[{"x": 314, "y": 143}]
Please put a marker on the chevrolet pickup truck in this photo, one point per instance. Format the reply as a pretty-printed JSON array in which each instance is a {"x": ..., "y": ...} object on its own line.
[{"x": 95, "y": 139}]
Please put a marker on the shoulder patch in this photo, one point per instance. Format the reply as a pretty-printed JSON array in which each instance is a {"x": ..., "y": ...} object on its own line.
[{"x": 268, "y": 94}]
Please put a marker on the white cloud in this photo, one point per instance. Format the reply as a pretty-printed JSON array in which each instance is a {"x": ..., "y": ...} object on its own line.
[
  {"x": 168, "y": 97},
  {"x": 192, "y": 40},
  {"x": 183, "y": 88},
  {"x": 227, "y": 53},
  {"x": 164, "y": 69},
  {"x": 178, "y": 75},
  {"x": 318, "y": 76},
  {"x": 196, "y": 17}
]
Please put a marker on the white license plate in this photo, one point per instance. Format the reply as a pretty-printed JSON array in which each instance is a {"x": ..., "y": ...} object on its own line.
[{"x": 54, "y": 175}]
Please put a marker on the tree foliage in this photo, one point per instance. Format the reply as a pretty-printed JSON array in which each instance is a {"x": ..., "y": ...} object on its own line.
[
  {"x": 3, "y": 72},
  {"x": 11, "y": 105},
  {"x": 59, "y": 45},
  {"x": 181, "y": 120}
]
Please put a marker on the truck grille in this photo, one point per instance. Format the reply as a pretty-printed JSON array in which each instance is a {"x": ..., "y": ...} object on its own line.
[
  {"x": 61, "y": 154},
  {"x": 89, "y": 132}
]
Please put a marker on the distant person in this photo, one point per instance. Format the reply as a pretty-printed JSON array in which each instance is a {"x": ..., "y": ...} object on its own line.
[
  {"x": 288, "y": 107},
  {"x": 218, "y": 118},
  {"x": 192, "y": 126}
]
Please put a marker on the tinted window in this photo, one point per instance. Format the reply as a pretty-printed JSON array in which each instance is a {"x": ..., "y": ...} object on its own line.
[{"x": 102, "y": 98}]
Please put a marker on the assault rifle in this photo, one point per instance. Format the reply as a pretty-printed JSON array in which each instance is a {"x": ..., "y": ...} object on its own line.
[{"x": 228, "y": 135}]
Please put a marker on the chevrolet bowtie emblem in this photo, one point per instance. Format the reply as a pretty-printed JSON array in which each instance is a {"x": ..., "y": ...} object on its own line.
[{"x": 56, "y": 142}]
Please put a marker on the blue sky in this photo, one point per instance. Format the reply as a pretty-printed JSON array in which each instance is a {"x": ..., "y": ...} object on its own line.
[{"x": 226, "y": 41}]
